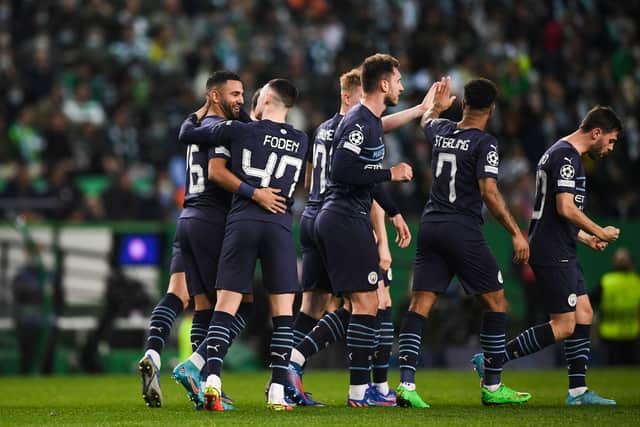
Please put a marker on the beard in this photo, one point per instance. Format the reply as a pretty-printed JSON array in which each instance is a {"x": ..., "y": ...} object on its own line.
[
  {"x": 389, "y": 101},
  {"x": 227, "y": 109}
]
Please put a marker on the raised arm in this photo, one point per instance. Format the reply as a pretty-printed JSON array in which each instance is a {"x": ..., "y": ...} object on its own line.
[
  {"x": 438, "y": 100},
  {"x": 498, "y": 208}
]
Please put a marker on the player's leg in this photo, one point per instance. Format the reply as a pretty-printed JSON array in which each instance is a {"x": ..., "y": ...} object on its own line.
[
  {"x": 577, "y": 349},
  {"x": 478, "y": 271},
  {"x": 278, "y": 259},
  {"x": 384, "y": 340},
  {"x": 431, "y": 277},
  {"x": 350, "y": 254},
  {"x": 162, "y": 318},
  {"x": 315, "y": 296},
  {"x": 160, "y": 324}
]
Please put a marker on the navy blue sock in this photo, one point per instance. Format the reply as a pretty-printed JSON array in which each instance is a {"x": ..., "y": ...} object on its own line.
[
  {"x": 576, "y": 350},
  {"x": 280, "y": 348},
  {"x": 218, "y": 340},
  {"x": 530, "y": 341},
  {"x": 361, "y": 342},
  {"x": 199, "y": 327},
  {"x": 492, "y": 335},
  {"x": 409, "y": 345},
  {"x": 302, "y": 326},
  {"x": 244, "y": 313},
  {"x": 332, "y": 327},
  {"x": 382, "y": 353},
  {"x": 161, "y": 322}
]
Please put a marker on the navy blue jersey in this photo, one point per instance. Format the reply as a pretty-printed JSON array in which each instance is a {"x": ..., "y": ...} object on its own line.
[
  {"x": 203, "y": 199},
  {"x": 552, "y": 238},
  {"x": 320, "y": 153},
  {"x": 262, "y": 154},
  {"x": 460, "y": 157},
  {"x": 355, "y": 166}
]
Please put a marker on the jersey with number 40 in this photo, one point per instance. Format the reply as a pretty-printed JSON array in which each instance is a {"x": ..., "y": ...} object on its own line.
[
  {"x": 262, "y": 154},
  {"x": 552, "y": 238},
  {"x": 460, "y": 157}
]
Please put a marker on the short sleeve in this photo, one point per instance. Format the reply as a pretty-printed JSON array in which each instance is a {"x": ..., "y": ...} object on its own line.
[
  {"x": 562, "y": 171},
  {"x": 221, "y": 135},
  {"x": 431, "y": 127},
  {"x": 353, "y": 137},
  {"x": 488, "y": 159}
]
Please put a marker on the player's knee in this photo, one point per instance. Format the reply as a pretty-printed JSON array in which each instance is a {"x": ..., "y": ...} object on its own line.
[
  {"x": 421, "y": 304},
  {"x": 563, "y": 329}
]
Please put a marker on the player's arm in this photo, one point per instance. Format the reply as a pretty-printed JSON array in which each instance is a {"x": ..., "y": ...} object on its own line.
[
  {"x": 567, "y": 209},
  {"x": 307, "y": 176},
  {"x": 401, "y": 118},
  {"x": 194, "y": 132},
  {"x": 437, "y": 100},
  {"x": 347, "y": 168},
  {"x": 495, "y": 203},
  {"x": 386, "y": 203},
  {"x": 592, "y": 241},
  {"x": 382, "y": 240},
  {"x": 267, "y": 198}
]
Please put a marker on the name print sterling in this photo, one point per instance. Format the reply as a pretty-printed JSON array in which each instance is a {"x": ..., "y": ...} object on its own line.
[{"x": 453, "y": 143}]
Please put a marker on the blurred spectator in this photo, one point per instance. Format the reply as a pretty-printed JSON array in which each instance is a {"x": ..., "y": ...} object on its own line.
[
  {"x": 81, "y": 109},
  {"x": 120, "y": 202},
  {"x": 127, "y": 75},
  {"x": 617, "y": 299},
  {"x": 64, "y": 193}
]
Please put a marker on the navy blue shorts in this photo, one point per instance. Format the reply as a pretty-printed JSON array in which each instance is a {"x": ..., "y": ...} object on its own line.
[
  {"x": 177, "y": 265},
  {"x": 200, "y": 244},
  {"x": 314, "y": 273},
  {"x": 452, "y": 248},
  {"x": 247, "y": 241},
  {"x": 560, "y": 285},
  {"x": 349, "y": 252}
]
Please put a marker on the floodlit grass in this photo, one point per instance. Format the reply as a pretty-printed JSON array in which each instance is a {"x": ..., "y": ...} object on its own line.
[{"x": 453, "y": 395}]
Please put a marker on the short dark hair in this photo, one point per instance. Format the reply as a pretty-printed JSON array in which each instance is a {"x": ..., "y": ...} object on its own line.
[
  {"x": 602, "y": 117},
  {"x": 375, "y": 68},
  {"x": 480, "y": 93},
  {"x": 220, "y": 77},
  {"x": 285, "y": 90},
  {"x": 254, "y": 99}
]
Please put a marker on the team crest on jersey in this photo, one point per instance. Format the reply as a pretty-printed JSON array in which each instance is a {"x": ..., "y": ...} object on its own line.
[
  {"x": 492, "y": 158},
  {"x": 373, "y": 278},
  {"x": 567, "y": 172},
  {"x": 356, "y": 137},
  {"x": 544, "y": 159},
  {"x": 572, "y": 300}
]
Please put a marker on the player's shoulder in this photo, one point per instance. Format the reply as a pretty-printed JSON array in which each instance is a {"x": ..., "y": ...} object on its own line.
[
  {"x": 559, "y": 152},
  {"x": 439, "y": 123}
]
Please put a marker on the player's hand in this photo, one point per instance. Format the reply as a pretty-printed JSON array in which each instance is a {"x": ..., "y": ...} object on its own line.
[
  {"x": 403, "y": 235},
  {"x": 402, "y": 172},
  {"x": 269, "y": 200},
  {"x": 610, "y": 234},
  {"x": 596, "y": 244},
  {"x": 385, "y": 256},
  {"x": 204, "y": 109},
  {"x": 442, "y": 99},
  {"x": 520, "y": 249},
  {"x": 427, "y": 101}
]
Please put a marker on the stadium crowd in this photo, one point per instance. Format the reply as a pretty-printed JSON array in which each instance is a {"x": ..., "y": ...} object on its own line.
[{"x": 97, "y": 88}]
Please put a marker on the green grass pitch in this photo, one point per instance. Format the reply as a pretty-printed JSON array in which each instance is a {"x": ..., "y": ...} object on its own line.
[{"x": 453, "y": 395}]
